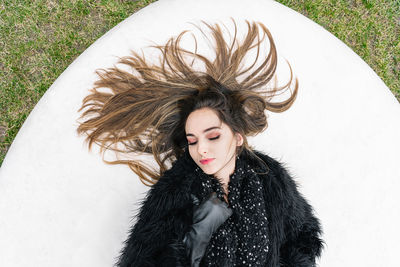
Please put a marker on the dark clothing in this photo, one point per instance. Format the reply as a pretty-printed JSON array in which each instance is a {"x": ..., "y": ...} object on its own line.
[
  {"x": 272, "y": 224},
  {"x": 243, "y": 239}
]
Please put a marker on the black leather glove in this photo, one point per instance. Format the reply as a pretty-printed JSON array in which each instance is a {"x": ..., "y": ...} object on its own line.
[{"x": 207, "y": 217}]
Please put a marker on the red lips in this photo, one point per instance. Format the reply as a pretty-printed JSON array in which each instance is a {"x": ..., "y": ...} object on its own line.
[{"x": 206, "y": 161}]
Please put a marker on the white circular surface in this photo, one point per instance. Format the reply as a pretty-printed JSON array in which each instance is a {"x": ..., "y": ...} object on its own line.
[{"x": 62, "y": 206}]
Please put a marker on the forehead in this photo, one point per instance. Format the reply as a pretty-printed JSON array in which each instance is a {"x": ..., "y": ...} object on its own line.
[{"x": 202, "y": 119}]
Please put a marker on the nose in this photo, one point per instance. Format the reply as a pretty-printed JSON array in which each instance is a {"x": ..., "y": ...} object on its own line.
[{"x": 202, "y": 148}]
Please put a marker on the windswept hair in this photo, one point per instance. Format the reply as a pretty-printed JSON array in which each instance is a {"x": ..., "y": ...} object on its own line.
[{"x": 144, "y": 111}]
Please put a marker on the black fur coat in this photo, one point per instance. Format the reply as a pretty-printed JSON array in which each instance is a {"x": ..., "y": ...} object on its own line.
[{"x": 166, "y": 215}]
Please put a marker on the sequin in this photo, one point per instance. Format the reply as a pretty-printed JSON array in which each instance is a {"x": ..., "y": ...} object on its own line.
[{"x": 242, "y": 240}]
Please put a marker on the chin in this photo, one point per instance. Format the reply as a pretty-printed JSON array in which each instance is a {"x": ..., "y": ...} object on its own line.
[{"x": 208, "y": 171}]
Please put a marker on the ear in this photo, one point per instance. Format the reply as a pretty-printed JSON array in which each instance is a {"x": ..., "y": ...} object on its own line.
[{"x": 239, "y": 139}]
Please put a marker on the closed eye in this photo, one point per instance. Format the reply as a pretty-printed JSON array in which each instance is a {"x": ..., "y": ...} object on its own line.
[{"x": 212, "y": 138}]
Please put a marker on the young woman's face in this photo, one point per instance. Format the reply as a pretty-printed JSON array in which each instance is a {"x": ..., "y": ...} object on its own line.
[{"x": 212, "y": 144}]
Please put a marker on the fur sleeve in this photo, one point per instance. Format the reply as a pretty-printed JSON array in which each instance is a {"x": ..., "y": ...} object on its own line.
[
  {"x": 156, "y": 238},
  {"x": 300, "y": 243}
]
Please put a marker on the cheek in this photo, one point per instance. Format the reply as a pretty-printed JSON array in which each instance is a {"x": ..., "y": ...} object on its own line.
[
  {"x": 191, "y": 152},
  {"x": 226, "y": 146}
]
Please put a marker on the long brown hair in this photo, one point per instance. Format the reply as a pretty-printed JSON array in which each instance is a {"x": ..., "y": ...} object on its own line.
[{"x": 144, "y": 111}]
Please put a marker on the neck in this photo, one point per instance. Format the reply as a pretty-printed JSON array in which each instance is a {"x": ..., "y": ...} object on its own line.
[{"x": 227, "y": 170}]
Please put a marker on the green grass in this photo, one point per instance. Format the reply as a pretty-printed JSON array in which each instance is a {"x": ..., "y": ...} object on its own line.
[
  {"x": 39, "y": 39},
  {"x": 370, "y": 27}
]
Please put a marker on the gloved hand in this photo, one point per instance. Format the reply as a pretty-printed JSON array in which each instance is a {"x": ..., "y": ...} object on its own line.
[{"x": 207, "y": 217}]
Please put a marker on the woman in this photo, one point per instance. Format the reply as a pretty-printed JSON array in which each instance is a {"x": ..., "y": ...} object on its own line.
[{"x": 221, "y": 203}]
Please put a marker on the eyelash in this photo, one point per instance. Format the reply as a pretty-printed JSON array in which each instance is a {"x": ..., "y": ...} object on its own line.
[{"x": 212, "y": 139}]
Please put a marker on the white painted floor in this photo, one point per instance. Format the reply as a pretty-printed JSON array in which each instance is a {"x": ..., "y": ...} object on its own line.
[{"x": 62, "y": 206}]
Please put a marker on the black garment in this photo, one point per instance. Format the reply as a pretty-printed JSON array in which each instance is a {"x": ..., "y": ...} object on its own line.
[
  {"x": 243, "y": 239},
  {"x": 165, "y": 216},
  {"x": 208, "y": 216}
]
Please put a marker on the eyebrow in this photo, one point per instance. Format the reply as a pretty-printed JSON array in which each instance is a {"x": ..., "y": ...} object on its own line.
[{"x": 206, "y": 130}]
